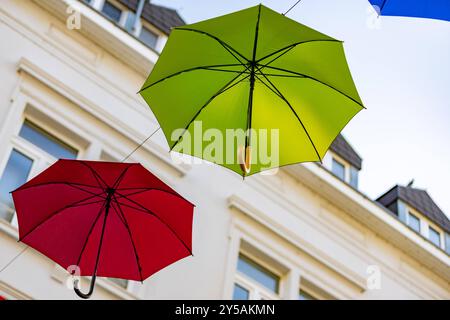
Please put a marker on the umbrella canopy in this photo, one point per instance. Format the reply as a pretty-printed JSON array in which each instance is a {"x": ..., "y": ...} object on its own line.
[
  {"x": 433, "y": 9},
  {"x": 109, "y": 219},
  {"x": 253, "y": 69}
]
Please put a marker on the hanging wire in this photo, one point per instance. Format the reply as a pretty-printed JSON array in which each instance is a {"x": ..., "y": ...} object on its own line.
[
  {"x": 292, "y": 7},
  {"x": 142, "y": 143},
  {"x": 14, "y": 259}
]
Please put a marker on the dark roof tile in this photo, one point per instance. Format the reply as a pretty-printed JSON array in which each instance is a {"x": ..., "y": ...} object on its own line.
[
  {"x": 343, "y": 149},
  {"x": 418, "y": 199}
]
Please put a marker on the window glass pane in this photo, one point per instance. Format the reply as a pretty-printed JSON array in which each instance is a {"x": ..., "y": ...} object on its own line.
[
  {"x": 258, "y": 273},
  {"x": 15, "y": 174},
  {"x": 46, "y": 142},
  {"x": 338, "y": 169},
  {"x": 111, "y": 11},
  {"x": 447, "y": 243},
  {"x": 402, "y": 211},
  {"x": 240, "y": 293},
  {"x": 354, "y": 177},
  {"x": 303, "y": 295},
  {"x": 414, "y": 222},
  {"x": 435, "y": 236},
  {"x": 120, "y": 282},
  {"x": 148, "y": 37}
]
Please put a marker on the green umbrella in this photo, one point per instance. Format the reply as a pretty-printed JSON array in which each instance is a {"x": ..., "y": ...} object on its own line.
[{"x": 252, "y": 69}]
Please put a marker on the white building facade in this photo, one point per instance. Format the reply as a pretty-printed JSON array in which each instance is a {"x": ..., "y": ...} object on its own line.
[{"x": 303, "y": 233}]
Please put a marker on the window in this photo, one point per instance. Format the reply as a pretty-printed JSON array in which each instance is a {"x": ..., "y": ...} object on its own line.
[
  {"x": 447, "y": 243},
  {"x": 338, "y": 169},
  {"x": 111, "y": 11},
  {"x": 148, "y": 37},
  {"x": 434, "y": 236},
  {"x": 46, "y": 142},
  {"x": 240, "y": 293},
  {"x": 413, "y": 222},
  {"x": 123, "y": 283},
  {"x": 15, "y": 174},
  {"x": 258, "y": 273},
  {"x": 354, "y": 177},
  {"x": 303, "y": 295}
]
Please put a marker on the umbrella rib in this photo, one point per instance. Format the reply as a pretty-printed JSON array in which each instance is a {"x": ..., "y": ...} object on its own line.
[
  {"x": 120, "y": 177},
  {"x": 96, "y": 175},
  {"x": 318, "y": 81},
  {"x": 222, "y": 90},
  {"x": 144, "y": 209},
  {"x": 295, "y": 113},
  {"x": 74, "y": 185},
  {"x": 224, "y": 44},
  {"x": 56, "y": 212},
  {"x": 293, "y": 45},
  {"x": 269, "y": 87},
  {"x": 91, "y": 229},
  {"x": 188, "y": 70},
  {"x": 150, "y": 189},
  {"x": 224, "y": 70},
  {"x": 127, "y": 226}
]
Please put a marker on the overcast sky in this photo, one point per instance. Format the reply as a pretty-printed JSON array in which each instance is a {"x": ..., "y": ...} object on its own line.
[{"x": 401, "y": 67}]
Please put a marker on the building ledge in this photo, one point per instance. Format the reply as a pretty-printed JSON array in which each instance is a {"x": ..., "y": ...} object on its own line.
[
  {"x": 105, "y": 33},
  {"x": 373, "y": 215}
]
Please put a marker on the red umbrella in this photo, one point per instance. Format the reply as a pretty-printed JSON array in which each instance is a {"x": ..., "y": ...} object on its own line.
[{"x": 109, "y": 219}]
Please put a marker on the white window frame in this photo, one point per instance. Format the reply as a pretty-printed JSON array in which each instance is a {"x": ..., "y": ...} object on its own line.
[
  {"x": 41, "y": 159},
  {"x": 408, "y": 214},
  {"x": 257, "y": 291}
]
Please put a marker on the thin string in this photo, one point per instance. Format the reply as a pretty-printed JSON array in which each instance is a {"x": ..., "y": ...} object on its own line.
[
  {"x": 14, "y": 259},
  {"x": 292, "y": 7},
  {"x": 142, "y": 143}
]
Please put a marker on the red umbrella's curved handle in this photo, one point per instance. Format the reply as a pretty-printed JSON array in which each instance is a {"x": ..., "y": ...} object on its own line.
[
  {"x": 76, "y": 288},
  {"x": 244, "y": 155}
]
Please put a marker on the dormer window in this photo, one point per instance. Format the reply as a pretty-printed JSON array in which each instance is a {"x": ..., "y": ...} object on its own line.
[
  {"x": 111, "y": 11},
  {"x": 434, "y": 236},
  {"x": 413, "y": 222},
  {"x": 148, "y": 37},
  {"x": 338, "y": 168},
  {"x": 354, "y": 177}
]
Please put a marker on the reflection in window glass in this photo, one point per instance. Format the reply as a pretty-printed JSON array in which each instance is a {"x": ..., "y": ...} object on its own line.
[
  {"x": 112, "y": 11},
  {"x": 46, "y": 141},
  {"x": 240, "y": 293},
  {"x": 303, "y": 295},
  {"x": 15, "y": 174},
  {"x": 354, "y": 177},
  {"x": 258, "y": 273},
  {"x": 338, "y": 169},
  {"x": 414, "y": 222},
  {"x": 148, "y": 37},
  {"x": 434, "y": 236}
]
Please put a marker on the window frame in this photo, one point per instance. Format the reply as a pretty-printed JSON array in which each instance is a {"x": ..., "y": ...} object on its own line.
[
  {"x": 99, "y": 5},
  {"x": 41, "y": 159},
  {"x": 408, "y": 217},
  {"x": 334, "y": 159},
  {"x": 431, "y": 228},
  {"x": 257, "y": 291}
]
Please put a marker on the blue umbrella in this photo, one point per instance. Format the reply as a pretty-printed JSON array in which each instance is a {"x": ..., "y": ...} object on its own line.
[{"x": 433, "y": 9}]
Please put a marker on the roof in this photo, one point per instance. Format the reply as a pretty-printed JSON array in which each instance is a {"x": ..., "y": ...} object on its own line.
[
  {"x": 161, "y": 17},
  {"x": 418, "y": 199},
  {"x": 342, "y": 148}
]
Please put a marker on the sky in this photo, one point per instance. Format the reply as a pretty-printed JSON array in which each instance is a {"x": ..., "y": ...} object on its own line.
[{"x": 401, "y": 67}]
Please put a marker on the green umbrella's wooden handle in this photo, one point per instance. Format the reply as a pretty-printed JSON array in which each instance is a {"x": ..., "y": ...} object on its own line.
[{"x": 245, "y": 159}]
